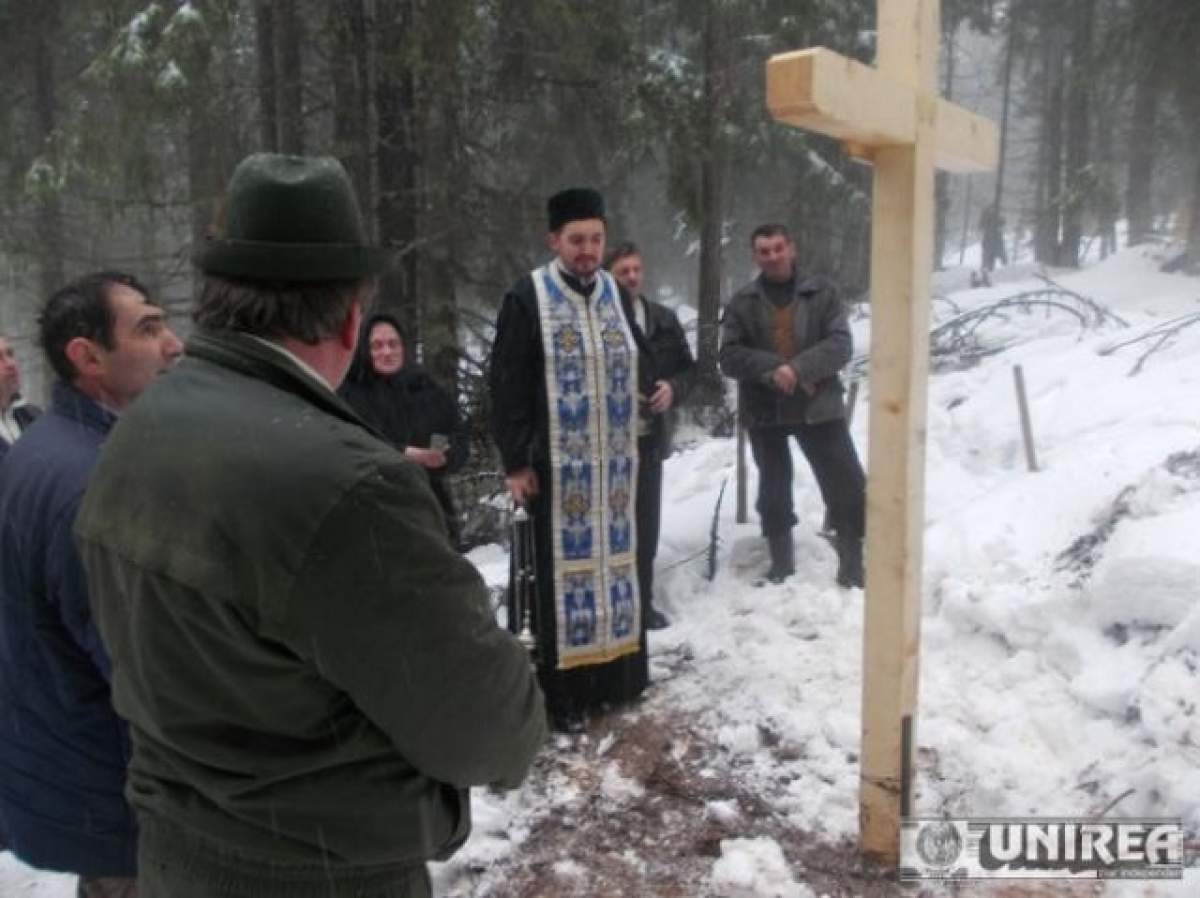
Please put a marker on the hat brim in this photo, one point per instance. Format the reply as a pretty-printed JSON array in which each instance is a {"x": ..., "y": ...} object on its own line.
[{"x": 289, "y": 262}]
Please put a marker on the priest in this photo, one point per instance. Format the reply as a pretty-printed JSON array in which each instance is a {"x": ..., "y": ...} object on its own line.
[{"x": 566, "y": 398}]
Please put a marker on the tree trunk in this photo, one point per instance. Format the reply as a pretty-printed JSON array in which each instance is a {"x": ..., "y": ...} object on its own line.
[
  {"x": 264, "y": 42},
  {"x": 1106, "y": 104},
  {"x": 397, "y": 166},
  {"x": 709, "y": 384},
  {"x": 1078, "y": 144},
  {"x": 351, "y": 98},
  {"x": 1050, "y": 143},
  {"x": 943, "y": 179},
  {"x": 966, "y": 221},
  {"x": 290, "y": 80},
  {"x": 202, "y": 128},
  {"x": 1193, "y": 232},
  {"x": 1139, "y": 193},
  {"x": 996, "y": 243},
  {"x": 442, "y": 100},
  {"x": 49, "y": 215}
]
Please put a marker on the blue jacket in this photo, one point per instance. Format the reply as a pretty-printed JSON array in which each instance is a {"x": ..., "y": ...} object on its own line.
[{"x": 63, "y": 750}]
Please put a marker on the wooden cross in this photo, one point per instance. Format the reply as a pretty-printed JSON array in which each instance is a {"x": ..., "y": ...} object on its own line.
[{"x": 892, "y": 117}]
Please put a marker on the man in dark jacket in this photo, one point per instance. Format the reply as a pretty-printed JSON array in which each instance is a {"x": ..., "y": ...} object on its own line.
[
  {"x": 673, "y": 365},
  {"x": 784, "y": 338},
  {"x": 63, "y": 749},
  {"x": 313, "y": 677},
  {"x": 15, "y": 414}
]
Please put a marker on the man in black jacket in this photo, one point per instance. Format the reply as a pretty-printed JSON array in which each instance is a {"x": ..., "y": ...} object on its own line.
[
  {"x": 784, "y": 338},
  {"x": 672, "y": 364},
  {"x": 15, "y": 414}
]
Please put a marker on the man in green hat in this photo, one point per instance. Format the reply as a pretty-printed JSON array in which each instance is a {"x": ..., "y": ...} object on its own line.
[{"x": 312, "y": 675}]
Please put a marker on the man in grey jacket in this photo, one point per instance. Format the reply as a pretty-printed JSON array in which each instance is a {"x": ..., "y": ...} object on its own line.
[{"x": 784, "y": 339}]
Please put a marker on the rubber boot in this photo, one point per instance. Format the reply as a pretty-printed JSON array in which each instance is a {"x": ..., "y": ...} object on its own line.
[
  {"x": 783, "y": 556},
  {"x": 655, "y": 619},
  {"x": 850, "y": 562}
]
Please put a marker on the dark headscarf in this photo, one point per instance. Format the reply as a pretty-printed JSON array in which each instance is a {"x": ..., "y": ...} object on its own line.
[{"x": 362, "y": 370}]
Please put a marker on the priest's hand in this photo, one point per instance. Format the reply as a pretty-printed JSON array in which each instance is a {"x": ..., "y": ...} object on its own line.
[
  {"x": 784, "y": 378},
  {"x": 426, "y": 458},
  {"x": 523, "y": 484},
  {"x": 662, "y": 397}
]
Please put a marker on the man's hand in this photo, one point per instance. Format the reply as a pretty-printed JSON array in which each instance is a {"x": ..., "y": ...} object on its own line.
[
  {"x": 810, "y": 389},
  {"x": 784, "y": 378},
  {"x": 426, "y": 458},
  {"x": 662, "y": 397},
  {"x": 522, "y": 484}
]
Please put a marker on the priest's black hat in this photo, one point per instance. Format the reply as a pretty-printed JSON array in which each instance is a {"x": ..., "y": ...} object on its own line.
[{"x": 574, "y": 204}]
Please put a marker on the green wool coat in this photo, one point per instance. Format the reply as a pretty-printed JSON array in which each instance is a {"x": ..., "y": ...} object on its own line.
[{"x": 312, "y": 675}]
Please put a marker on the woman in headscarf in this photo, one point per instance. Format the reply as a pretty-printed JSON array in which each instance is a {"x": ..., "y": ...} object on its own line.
[{"x": 408, "y": 407}]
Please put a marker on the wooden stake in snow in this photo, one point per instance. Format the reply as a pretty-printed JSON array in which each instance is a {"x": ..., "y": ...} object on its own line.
[
  {"x": 1023, "y": 408},
  {"x": 740, "y": 515},
  {"x": 891, "y": 116}
]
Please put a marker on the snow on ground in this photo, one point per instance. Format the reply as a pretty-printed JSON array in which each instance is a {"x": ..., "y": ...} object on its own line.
[
  {"x": 1046, "y": 689},
  {"x": 750, "y": 868},
  {"x": 1049, "y": 687}
]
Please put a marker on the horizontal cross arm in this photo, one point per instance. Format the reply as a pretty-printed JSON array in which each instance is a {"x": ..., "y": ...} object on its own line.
[
  {"x": 822, "y": 91},
  {"x": 966, "y": 142}
]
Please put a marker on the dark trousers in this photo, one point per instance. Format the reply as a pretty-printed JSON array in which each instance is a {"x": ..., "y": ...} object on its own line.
[
  {"x": 649, "y": 516},
  {"x": 834, "y": 462}
]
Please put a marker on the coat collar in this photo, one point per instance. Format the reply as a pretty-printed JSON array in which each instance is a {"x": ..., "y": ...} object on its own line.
[
  {"x": 640, "y": 301},
  {"x": 248, "y": 356},
  {"x": 68, "y": 401},
  {"x": 805, "y": 285}
]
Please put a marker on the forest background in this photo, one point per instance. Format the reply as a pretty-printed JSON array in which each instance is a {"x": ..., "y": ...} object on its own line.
[{"x": 121, "y": 120}]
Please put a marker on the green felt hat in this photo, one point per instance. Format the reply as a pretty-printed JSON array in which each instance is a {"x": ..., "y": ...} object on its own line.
[{"x": 293, "y": 219}]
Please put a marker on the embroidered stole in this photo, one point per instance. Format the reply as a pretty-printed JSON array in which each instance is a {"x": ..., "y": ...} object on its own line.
[{"x": 591, "y": 391}]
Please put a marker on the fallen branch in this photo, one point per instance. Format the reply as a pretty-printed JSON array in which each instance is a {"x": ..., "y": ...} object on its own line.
[
  {"x": 958, "y": 340},
  {"x": 1158, "y": 336},
  {"x": 1099, "y": 312},
  {"x": 714, "y": 538}
]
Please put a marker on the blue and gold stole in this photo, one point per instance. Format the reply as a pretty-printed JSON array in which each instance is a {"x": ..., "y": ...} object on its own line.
[{"x": 591, "y": 391}]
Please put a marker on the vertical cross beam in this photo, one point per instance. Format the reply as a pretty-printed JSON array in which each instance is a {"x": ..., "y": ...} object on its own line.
[
  {"x": 891, "y": 116},
  {"x": 901, "y": 259}
]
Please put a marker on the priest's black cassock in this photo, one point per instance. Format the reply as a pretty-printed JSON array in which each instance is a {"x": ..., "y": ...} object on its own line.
[{"x": 521, "y": 427}]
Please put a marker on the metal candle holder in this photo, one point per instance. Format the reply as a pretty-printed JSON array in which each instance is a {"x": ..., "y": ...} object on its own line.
[{"x": 524, "y": 578}]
